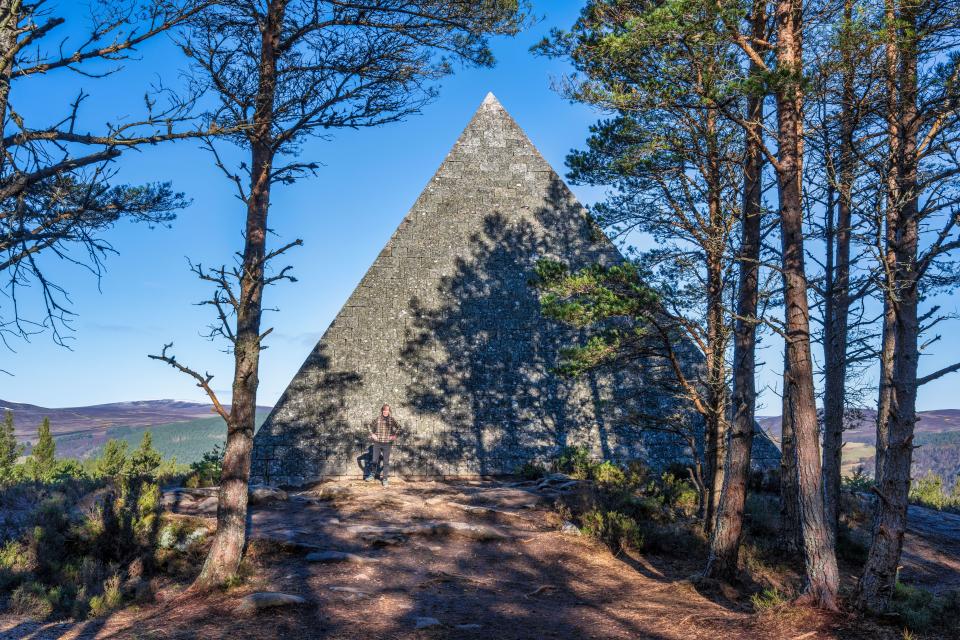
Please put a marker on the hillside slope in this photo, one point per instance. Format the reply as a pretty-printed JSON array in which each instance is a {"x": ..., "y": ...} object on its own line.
[
  {"x": 182, "y": 429},
  {"x": 937, "y": 439}
]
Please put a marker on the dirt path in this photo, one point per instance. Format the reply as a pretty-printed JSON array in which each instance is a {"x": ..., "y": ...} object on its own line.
[{"x": 465, "y": 560}]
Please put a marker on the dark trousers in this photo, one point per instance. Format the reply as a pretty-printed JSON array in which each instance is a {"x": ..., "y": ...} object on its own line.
[{"x": 378, "y": 449}]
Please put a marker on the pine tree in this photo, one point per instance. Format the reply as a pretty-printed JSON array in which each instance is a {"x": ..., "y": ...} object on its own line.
[
  {"x": 145, "y": 459},
  {"x": 112, "y": 463},
  {"x": 42, "y": 460},
  {"x": 9, "y": 449},
  {"x": 281, "y": 72}
]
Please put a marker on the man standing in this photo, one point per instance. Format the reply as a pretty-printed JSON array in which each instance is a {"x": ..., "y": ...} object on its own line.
[{"x": 383, "y": 432}]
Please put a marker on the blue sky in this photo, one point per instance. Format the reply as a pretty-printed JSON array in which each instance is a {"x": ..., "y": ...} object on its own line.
[{"x": 344, "y": 215}]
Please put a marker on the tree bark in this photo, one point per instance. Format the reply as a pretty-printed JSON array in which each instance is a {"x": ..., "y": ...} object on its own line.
[
  {"x": 727, "y": 534},
  {"x": 789, "y": 536},
  {"x": 880, "y": 572},
  {"x": 888, "y": 340},
  {"x": 836, "y": 316},
  {"x": 717, "y": 332},
  {"x": 228, "y": 544},
  {"x": 822, "y": 579},
  {"x": 10, "y": 13}
]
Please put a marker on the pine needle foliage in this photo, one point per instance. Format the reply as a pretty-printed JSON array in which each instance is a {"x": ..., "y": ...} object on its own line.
[{"x": 613, "y": 301}]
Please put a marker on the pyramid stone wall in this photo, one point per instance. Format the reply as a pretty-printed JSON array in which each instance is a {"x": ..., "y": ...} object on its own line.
[{"x": 446, "y": 328}]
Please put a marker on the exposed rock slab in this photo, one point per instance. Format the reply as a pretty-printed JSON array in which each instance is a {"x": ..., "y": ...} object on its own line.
[
  {"x": 256, "y": 602},
  {"x": 338, "y": 556},
  {"x": 423, "y": 622},
  {"x": 387, "y": 532}
]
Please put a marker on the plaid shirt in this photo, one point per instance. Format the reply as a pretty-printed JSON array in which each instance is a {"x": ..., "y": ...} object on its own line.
[{"x": 384, "y": 429}]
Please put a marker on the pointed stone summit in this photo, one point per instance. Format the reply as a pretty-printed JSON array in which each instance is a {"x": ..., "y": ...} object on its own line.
[{"x": 445, "y": 328}]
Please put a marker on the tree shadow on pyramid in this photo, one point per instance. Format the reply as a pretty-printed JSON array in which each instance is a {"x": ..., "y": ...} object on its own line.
[
  {"x": 317, "y": 395},
  {"x": 484, "y": 359}
]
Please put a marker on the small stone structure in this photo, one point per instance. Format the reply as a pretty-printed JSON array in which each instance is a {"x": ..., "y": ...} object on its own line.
[{"x": 446, "y": 328}]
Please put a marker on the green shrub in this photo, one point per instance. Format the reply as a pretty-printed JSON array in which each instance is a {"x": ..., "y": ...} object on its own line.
[
  {"x": 88, "y": 529},
  {"x": 30, "y": 599},
  {"x": 16, "y": 561},
  {"x": 930, "y": 492},
  {"x": 109, "y": 600},
  {"x": 617, "y": 530},
  {"x": 67, "y": 469},
  {"x": 609, "y": 476},
  {"x": 531, "y": 471},
  {"x": 859, "y": 482},
  {"x": 574, "y": 461},
  {"x": 80, "y": 608},
  {"x": 14, "y": 556},
  {"x": 679, "y": 493},
  {"x": 148, "y": 509},
  {"x": 207, "y": 470},
  {"x": 917, "y": 607},
  {"x": 767, "y": 599}
]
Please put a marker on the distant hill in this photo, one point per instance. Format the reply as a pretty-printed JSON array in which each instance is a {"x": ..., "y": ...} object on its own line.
[
  {"x": 185, "y": 441},
  {"x": 182, "y": 429},
  {"x": 937, "y": 439},
  {"x": 940, "y": 421}
]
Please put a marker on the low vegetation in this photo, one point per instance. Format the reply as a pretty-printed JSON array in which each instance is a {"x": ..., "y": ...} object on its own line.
[
  {"x": 81, "y": 539},
  {"x": 88, "y": 538},
  {"x": 928, "y": 491},
  {"x": 631, "y": 509},
  {"x": 931, "y": 491},
  {"x": 628, "y": 507}
]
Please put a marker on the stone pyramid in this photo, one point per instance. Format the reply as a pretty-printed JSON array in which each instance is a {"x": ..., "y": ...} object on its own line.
[{"x": 445, "y": 327}]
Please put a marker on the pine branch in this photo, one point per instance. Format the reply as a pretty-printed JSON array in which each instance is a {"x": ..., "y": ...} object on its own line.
[{"x": 203, "y": 381}]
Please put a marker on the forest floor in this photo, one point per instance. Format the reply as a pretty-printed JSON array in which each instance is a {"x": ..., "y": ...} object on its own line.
[{"x": 469, "y": 560}]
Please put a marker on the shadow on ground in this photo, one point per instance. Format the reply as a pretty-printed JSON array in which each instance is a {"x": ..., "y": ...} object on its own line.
[{"x": 523, "y": 578}]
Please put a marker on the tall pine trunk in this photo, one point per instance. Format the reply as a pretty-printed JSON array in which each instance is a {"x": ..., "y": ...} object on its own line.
[
  {"x": 728, "y": 531},
  {"x": 836, "y": 320},
  {"x": 822, "y": 579},
  {"x": 888, "y": 340},
  {"x": 717, "y": 332},
  {"x": 880, "y": 572},
  {"x": 229, "y": 541},
  {"x": 789, "y": 537}
]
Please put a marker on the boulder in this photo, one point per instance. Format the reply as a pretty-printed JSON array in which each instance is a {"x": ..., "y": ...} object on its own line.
[
  {"x": 262, "y": 494},
  {"x": 192, "y": 539},
  {"x": 557, "y": 482},
  {"x": 476, "y": 531},
  {"x": 327, "y": 491},
  {"x": 208, "y": 505},
  {"x": 570, "y": 528},
  {"x": 256, "y": 602},
  {"x": 483, "y": 510}
]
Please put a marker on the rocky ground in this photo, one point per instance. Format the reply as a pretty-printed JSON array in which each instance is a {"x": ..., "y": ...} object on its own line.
[{"x": 460, "y": 560}]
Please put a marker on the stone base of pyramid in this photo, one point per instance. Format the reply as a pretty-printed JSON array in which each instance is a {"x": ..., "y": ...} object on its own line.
[{"x": 446, "y": 328}]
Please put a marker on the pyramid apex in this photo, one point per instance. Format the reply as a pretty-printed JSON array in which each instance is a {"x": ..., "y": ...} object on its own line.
[{"x": 491, "y": 99}]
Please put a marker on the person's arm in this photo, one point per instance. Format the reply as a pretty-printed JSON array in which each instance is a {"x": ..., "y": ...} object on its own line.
[{"x": 397, "y": 429}]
